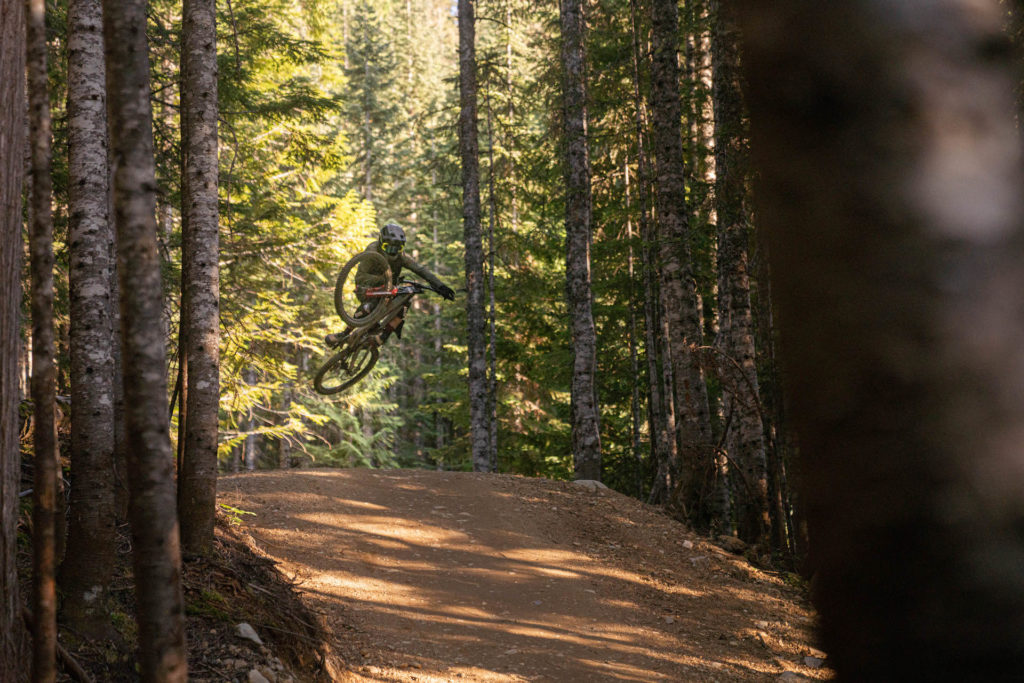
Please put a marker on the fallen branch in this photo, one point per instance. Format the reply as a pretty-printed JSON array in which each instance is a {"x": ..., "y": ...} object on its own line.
[{"x": 70, "y": 663}]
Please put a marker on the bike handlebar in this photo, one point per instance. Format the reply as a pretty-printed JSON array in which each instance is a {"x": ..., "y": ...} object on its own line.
[{"x": 417, "y": 287}]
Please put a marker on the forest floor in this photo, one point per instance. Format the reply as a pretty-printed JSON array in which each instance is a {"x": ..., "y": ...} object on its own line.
[{"x": 444, "y": 576}]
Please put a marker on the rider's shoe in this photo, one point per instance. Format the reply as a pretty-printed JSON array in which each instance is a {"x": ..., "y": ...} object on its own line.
[{"x": 335, "y": 339}]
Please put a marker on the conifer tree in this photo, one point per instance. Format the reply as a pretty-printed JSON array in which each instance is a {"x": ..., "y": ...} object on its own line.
[
  {"x": 373, "y": 110},
  {"x": 585, "y": 419},
  {"x": 200, "y": 305},
  {"x": 697, "y": 471},
  {"x": 91, "y": 531},
  {"x": 741, "y": 396},
  {"x": 470, "y": 157},
  {"x": 155, "y": 536},
  {"x": 12, "y": 145},
  {"x": 44, "y": 388}
]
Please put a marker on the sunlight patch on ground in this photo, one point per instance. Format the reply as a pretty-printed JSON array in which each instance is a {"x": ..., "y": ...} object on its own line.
[
  {"x": 362, "y": 504},
  {"x": 344, "y": 583},
  {"x": 384, "y": 527},
  {"x": 622, "y": 670}
]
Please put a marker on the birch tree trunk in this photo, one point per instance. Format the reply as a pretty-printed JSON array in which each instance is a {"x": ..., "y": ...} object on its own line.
[
  {"x": 91, "y": 538},
  {"x": 699, "y": 472},
  {"x": 155, "y": 535},
  {"x": 744, "y": 438},
  {"x": 585, "y": 416},
  {"x": 472, "y": 234},
  {"x": 890, "y": 185},
  {"x": 44, "y": 387},
  {"x": 12, "y": 146},
  {"x": 197, "y": 483}
]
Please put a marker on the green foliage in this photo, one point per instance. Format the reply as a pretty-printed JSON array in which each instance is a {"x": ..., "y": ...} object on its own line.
[
  {"x": 234, "y": 514},
  {"x": 209, "y": 603}
]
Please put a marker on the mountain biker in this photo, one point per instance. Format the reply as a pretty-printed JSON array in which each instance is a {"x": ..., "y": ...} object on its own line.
[{"x": 391, "y": 244}]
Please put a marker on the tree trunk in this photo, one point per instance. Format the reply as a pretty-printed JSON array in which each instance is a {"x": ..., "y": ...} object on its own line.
[
  {"x": 251, "y": 457},
  {"x": 284, "y": 445},
  {"x": 91, "y": 538},
  {"x": 469, "y": 150},
  {"x": 699, "y": 476},
  {"x": 660, "y": 418},
  {"x": 492, "y": 345},
  {"x": 634, "y": 353},
  {"x": 585, "y": 414},
  {"x": 12, "y": 146},
  {"x": 155, "y": 536},
  {"x": 741, "y": 396},
  {"x": 890, "y": 170},
  {"x": 197, "y": 483},
  {"x": 44, "y": 389}
]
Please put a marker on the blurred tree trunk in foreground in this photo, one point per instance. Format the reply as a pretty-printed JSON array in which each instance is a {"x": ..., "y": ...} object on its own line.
[{"x": 891, "y": 186}]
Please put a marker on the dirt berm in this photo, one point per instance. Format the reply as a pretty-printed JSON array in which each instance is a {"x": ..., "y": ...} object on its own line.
[{"x": 452, "y": 576}]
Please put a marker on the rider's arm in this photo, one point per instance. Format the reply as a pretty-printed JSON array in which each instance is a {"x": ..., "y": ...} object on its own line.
[{"x": 434, "y": 281}]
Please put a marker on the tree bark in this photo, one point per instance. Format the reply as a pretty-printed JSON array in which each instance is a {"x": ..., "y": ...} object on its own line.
[
  {"x": 634, "y": 352},
  {"x": 741, "y": 396},
  {"x": 197, "y": 483},
  {"x": 155, "y": 534},
  {"x": 12, "y": 146},
  {"x": 470, "y": 153},
  {"x": 890, "y": 171},
  {"x": 492, "y": 323},
  {"x": 585, "y": 414},
  {"x": 44, "y": 388},
  {"x": 91, "y": 538},
  {"x": 699, "y": 472},
  {"x": 659, "y": 416}
]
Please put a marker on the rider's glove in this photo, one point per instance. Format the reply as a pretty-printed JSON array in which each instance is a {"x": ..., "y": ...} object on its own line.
[{"x": 446, "y": 292}]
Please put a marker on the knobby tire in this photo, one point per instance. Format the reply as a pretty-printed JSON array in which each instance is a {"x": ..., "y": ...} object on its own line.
[
  {"x": 381, "y": 309},
  {"x": 354, "y": 375}
]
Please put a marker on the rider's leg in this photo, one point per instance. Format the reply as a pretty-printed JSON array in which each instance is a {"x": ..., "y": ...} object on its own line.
[
  {"x": 336, "y": 338},
  {"x": 395, "y": 325}
]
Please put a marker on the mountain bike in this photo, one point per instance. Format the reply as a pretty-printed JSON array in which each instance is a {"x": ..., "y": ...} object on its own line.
[{"x": 359, "y": 347}]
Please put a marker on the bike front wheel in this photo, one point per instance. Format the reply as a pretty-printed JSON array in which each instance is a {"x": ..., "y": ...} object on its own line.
[
  {"x": 346, "y": 300},
  {"x": 345, "y": 368}
]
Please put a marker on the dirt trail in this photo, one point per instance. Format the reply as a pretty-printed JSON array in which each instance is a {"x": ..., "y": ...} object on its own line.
[{"x": 445, "y": 576}]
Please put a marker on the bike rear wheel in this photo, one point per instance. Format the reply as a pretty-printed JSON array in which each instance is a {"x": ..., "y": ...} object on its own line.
[
  {"x": 346, "y": 301},
  {"x": 345, "y": 368}
]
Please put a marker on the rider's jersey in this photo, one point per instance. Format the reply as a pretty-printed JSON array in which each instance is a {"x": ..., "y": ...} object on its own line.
[{"x": 369, "y": 274}]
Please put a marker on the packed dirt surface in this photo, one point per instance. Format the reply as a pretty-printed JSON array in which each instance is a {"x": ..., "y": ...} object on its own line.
[{"x": 450, "y": 576}]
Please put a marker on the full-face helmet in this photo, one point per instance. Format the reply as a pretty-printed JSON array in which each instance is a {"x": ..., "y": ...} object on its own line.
[{"x": 392, "y": 239}]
